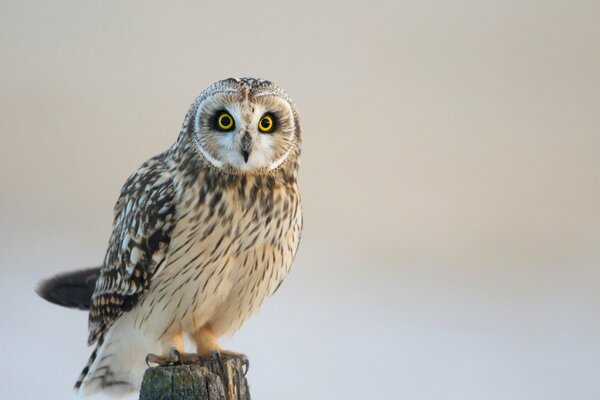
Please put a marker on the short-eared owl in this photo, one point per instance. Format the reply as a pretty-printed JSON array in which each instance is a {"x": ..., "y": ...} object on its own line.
[{"x": 203, "y": 233}]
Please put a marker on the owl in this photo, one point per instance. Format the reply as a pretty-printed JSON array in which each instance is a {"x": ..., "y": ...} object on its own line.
[{"x": 202, "y": 234}]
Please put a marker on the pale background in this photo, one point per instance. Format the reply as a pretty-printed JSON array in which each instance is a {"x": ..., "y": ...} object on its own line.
[{"x": 450, "y": 179}]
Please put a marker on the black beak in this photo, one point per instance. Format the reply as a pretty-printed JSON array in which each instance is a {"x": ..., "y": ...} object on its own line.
[{"x": 246, "y": 146}]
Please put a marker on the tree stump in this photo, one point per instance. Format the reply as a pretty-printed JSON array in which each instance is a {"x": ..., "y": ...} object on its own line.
[{"x": 212, "y": 380}]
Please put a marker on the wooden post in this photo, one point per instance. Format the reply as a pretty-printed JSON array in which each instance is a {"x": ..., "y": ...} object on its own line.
[{"x": 211, "y": 381}]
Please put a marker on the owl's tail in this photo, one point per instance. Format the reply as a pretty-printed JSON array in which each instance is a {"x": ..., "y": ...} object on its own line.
[{"x": 70, "y": 289}]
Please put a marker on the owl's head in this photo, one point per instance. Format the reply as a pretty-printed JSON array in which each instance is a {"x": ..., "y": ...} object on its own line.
[{"x": 245, "y": 125}]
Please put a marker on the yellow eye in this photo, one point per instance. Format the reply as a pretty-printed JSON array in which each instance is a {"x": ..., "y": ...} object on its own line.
[
  {"x": 225, "y": 121},
  {"x": 266, "y": 124}
]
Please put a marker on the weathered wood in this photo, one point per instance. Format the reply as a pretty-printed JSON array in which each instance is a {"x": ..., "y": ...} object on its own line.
[{"x": 211, "y": 381}]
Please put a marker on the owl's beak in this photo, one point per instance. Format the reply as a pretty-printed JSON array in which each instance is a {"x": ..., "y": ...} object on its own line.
[{"x": 246, "y": 146}]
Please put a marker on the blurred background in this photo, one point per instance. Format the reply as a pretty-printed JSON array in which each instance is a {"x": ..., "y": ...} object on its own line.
[{"x": 450, "y": 181}]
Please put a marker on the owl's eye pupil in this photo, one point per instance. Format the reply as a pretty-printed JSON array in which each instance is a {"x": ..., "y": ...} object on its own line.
[{"x": 264, "y": 123}]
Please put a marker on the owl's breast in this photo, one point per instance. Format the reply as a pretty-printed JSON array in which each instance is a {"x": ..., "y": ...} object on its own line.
[{"x": 229, "y": 251}]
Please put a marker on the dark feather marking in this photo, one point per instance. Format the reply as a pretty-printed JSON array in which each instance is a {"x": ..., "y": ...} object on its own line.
[
  {"x": 91, "y": 360},
  {"x": 159, "y": 301},
  {"x": 159, "y": 265},
  {"x": 208, "y": 231},
  {"x": 180, "y": 300},
  {"x": 200, "y": 271},
  {"x": 194, "y": 232},
  {"x": 218, "y": 244},
  {"x": 271, "y": 266},
  {"x": 264, "y": 253},
  {"x": 220, "y": 273},
  {"x": 129, "y": 302},
  {"x": 203, "y": 266},
  {"x": 189, "y": 264},
  {"x": 215, "y": 200},
  {"x": 174, "y": 253},
  {"x": 252, "y": 243},
  {"x": 208, "y": 279},
  {"x": 245, "y": 260},
  {"x": 278, "y": 286},
  {"x": 262, "y": 278},
  {"x": 169, "y": 325}
]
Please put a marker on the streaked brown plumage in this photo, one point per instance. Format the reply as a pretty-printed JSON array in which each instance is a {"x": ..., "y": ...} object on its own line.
[{"x": 202, "y": 233}]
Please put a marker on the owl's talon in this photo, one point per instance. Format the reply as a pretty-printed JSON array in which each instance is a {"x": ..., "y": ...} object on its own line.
[
  {"x": 217, "y": 355},
  {"x": 175, "y": 356},
  {"x": 150, "y": 359},
  {"x": 245, "y": 363},
  {"x": 244, "y": 360}
]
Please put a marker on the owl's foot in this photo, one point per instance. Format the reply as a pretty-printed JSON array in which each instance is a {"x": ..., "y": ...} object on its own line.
[
  {"x": 222, "y": 355},
  {"x": 175, "y": 357}
]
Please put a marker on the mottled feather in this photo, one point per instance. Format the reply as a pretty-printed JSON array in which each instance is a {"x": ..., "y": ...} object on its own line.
[{"x": 144, "y": 219}]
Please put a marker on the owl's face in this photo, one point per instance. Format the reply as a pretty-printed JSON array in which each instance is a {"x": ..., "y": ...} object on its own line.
[{"x": 245, "y": 126}]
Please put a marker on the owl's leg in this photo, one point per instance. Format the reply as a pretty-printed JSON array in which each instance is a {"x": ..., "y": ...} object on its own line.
[
  {"x": 174, "y": 355},
  {"x": 206, "y": 341},
  {"x": 207, "y": 346}
]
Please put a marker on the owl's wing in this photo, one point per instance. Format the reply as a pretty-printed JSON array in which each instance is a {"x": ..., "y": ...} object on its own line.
[{"x": 142, "y": 227}]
